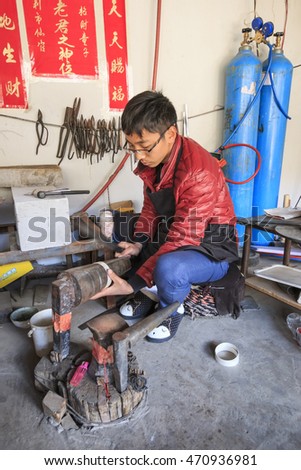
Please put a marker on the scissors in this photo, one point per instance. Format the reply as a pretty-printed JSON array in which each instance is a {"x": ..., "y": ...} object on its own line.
[{"x": 42, "y": 131}]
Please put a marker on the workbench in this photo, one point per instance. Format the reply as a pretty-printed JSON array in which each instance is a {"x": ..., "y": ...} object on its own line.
[
  {"x": 15, "y": 255},
  {"x": 290, "y": 230}
]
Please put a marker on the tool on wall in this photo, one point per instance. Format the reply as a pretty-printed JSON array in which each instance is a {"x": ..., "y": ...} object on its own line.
[
  {"x": 88, "y": 137},
  {"x": 41, "y": 131},
  {"x": 67, "y": 129}
]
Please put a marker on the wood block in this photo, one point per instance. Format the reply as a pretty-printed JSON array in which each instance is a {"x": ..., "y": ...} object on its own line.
[
  {"x": 30, "y": 175},
  {"x": 117, "y": 206},
  {"x": 54, "y": 405}
]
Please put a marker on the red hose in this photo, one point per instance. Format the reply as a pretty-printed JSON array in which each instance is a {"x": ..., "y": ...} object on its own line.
[
  {"x": 258, "y": 162},
  {"x": 155, "y": 70},
  {"x": 107, "y": 184}
]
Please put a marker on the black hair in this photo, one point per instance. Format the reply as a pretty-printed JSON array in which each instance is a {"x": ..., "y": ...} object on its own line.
[{"x": 149, "y": 110}]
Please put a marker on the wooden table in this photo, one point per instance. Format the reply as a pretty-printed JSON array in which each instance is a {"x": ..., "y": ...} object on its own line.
[
  {"x": 289, "y": 232},
  {"x": 15, "y": 255},
  {"x": 289, "y": 229}
]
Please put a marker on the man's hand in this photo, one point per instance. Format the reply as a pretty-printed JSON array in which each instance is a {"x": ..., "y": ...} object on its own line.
[
  {"x": 119, "y": 287},
  {"x": 129, "y": 249}
]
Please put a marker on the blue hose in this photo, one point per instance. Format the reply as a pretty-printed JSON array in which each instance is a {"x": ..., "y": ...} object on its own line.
[{"x": 276, "y": 99}]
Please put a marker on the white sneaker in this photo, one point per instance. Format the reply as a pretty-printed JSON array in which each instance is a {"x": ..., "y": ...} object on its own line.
[
  {"x": 137, "y": 307},
  {"x": 168, "y": 328}
]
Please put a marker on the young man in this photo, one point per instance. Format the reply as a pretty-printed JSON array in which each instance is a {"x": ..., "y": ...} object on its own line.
[{"x": 186, "y": 230}]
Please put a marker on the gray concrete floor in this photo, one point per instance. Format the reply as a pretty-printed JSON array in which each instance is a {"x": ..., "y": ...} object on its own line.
[{"x": 192, "y": 402}]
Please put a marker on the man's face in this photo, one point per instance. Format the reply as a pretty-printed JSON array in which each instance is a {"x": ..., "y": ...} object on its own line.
[{"x": 151, "y": 149}]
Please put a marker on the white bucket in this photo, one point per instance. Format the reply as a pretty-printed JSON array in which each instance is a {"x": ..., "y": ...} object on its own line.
[{"x": 42, "y": 331}]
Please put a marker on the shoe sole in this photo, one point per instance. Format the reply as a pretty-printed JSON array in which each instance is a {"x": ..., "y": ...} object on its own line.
[
  {"x": 134, "y": 317},
  {"x": 146, "y": 303},
  {"x": 162, "y": 340}
]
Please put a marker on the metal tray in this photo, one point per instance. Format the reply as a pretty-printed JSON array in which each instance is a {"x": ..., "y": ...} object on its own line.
[{"x": 280, "y": 273}]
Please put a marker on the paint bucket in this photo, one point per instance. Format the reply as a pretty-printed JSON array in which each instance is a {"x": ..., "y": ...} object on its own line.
[{"x": 42, "y": 332}]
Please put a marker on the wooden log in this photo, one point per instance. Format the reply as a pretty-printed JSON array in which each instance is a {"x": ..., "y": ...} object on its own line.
[
  {"x": 127, "y": 401},
  {"x": 86, "y": 281},
  {"x": 115, "y": 404},
  {"x": 89, "y": 399},
  {"x": 30, "y": 175}
]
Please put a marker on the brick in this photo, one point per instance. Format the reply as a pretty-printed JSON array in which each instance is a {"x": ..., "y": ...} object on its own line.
[{"x": 54, "y": 406}]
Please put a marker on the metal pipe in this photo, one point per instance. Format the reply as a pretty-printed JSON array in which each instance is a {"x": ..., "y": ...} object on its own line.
[{"x": 74, "y": 287}]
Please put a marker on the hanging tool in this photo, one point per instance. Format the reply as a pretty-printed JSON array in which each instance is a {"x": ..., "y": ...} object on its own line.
[
  {"x": 73, "y": 127},
  {"x": 64, "y": 135},
  {"x": 115, "y": 136},
  {"x": 88, "y": 137},
  {"x": 69, "y": 127},
  {"x": 41, "y": 131}
]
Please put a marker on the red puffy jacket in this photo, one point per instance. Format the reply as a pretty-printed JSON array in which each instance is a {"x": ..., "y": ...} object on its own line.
[{"x": 202, "y": 204}]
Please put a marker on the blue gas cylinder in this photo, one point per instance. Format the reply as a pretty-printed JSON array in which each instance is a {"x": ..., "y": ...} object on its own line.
[
  {"x": 243, "y": 75},
  {"x": 274, "y": 103}
]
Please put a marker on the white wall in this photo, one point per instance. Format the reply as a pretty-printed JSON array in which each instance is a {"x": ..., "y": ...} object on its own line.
[{"x": 198, "y": 39}]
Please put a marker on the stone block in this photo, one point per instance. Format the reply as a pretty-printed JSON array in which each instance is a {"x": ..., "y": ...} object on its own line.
[{"x": 41, "y": 223}]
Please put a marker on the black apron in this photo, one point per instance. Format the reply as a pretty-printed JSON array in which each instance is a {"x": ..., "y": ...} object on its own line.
[{"x": 165, "y": 206}]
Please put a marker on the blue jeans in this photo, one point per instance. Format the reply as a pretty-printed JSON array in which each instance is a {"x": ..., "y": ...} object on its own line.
[{"x": 176, "y": 271}]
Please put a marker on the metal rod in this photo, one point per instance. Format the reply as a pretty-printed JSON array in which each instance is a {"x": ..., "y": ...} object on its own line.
[
  {"x": 296, "y": 205},
  {"x": 140, "y": 329},
  {"x": 123, "y": 340}
]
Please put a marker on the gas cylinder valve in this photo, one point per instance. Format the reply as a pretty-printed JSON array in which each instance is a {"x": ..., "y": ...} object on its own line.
[
  {"x": 246, "y": 39},
  {"x": 278, "y": 37},
  {"x": 262, "y": 30}
]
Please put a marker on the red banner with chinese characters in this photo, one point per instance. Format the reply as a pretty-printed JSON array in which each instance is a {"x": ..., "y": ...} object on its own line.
[
  {"x": 116, "y": 51},
  {"x": 12, "y": 85},
  {"x": 61, "y": 37}
]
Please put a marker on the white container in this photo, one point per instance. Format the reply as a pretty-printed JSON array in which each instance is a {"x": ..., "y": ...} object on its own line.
[
  {"x": 227, "y": 354},
  {"x": 106, "y": 223},
  {"x": 42, "y": 332}
]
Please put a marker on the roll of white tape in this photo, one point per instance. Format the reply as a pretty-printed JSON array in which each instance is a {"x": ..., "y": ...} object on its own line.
[
  {"x": 106, "y": 268},
  {"x": 227, "y": 354}
]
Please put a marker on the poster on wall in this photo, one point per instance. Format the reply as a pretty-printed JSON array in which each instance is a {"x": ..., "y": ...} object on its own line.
[
  {"x": 12, "y": 84},
  {"x": 116, "y": 52},
  {"x": 61, "y": 37}
]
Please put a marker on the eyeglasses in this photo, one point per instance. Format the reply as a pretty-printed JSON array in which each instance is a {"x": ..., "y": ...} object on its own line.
[{"x": 144, "y": 150}]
